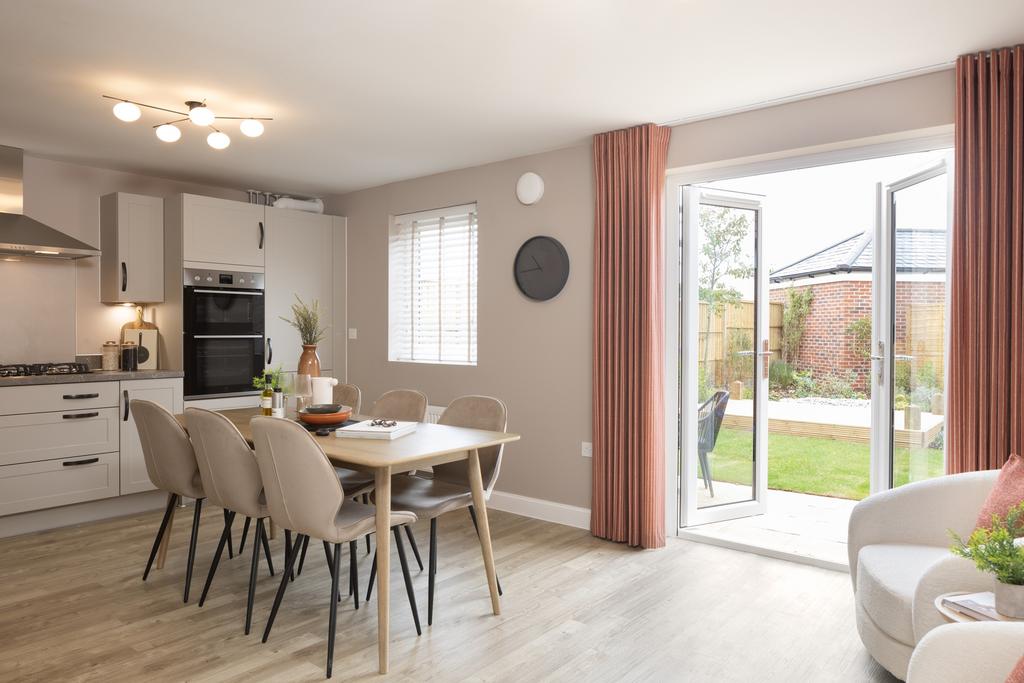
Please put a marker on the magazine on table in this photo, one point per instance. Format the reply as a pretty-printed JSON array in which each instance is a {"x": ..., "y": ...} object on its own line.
[
  {"x": 376, "y": 429},
  {"x": 980, "y": 606}
]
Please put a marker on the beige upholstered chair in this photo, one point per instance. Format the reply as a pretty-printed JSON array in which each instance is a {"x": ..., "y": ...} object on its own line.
[
  {"x": 232, "y": 480},
  {"x": 349, "y": 395},
  {"x": 304, "y": 495},
  {"x": 448, "y": 489},
  {"x": 172, "y": 467}
]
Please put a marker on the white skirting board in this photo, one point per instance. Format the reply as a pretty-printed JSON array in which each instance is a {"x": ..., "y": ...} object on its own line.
[
  {"x": 81, "y": 513},
  {"x": 547, "y": 510}
]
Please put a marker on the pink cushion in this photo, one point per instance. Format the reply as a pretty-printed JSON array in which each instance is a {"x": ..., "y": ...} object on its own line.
[
  {"x": 1007, "y": 493},
  {"x": 1017, "y": 675}
]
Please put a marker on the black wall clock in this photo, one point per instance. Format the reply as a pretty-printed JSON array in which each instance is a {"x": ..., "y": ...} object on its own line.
[{"x": 541, "y": 267}]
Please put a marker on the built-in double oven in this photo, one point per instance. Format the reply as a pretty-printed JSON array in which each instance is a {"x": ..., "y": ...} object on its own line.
[{"x": 223, "y": 343}]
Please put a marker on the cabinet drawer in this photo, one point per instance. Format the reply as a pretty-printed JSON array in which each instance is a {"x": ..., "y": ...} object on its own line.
[
  {"x": 38, "y": 485},
  {"x": 43, "y": 398},
  {"x": 69, "y": 433}
]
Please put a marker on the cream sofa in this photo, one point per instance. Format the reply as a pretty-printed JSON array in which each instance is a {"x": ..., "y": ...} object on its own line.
[
  {"x": 978, "y": 652},
  {"x": 900, "y": 560}
]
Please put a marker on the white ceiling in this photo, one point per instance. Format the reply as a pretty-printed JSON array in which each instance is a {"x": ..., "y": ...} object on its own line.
[{"x": 372, "y": 91}]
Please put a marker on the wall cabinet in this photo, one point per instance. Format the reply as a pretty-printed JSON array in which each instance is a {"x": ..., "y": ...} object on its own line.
[
  {"x": 132, "y": 240},
  {"x": 166, "y": 392},
  {"x": 300, "y": 261},
  {"x": 220, "y": 231}
]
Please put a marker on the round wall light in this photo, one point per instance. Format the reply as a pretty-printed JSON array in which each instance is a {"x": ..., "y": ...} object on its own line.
[
  {"x": 530, "y": 188},
  {"x": 168, "y": 133},
  {"x": 218, "y": 140},
  {"x": 126, "y": 111}
]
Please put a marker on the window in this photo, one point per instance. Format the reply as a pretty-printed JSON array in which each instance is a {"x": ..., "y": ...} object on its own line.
[{"x": 432, "y": 286}]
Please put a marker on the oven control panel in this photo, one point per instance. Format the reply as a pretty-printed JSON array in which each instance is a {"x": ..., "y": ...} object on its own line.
[{"x": 222, "y": 279}]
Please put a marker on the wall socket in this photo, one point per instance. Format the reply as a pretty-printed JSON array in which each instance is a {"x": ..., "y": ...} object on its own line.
[
  {"x": 587, "y": 450},
  {"x": 352, "y": 333}
]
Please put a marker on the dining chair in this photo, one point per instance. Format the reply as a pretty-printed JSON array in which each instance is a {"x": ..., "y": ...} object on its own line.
[
  {"x": 231, "y": 480},
  {"x": 304, "y": 495},
  {"x": 447, "y": 488},
  {"x": 172, "y": 467},
  {"x": 349, "y": 395}
]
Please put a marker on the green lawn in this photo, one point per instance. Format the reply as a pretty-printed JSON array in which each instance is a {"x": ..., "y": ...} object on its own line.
[{"x": 810, "y": 465}]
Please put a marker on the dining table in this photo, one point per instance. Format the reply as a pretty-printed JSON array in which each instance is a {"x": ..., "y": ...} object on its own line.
[{"x": 430, "y": 444}]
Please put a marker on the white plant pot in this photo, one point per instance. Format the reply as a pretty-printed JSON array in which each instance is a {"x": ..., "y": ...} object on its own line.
[{"x": 1009, "y": 600}]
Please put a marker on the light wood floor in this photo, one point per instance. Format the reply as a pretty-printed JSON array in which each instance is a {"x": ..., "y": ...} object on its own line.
[{"x": 73, "y": 607}]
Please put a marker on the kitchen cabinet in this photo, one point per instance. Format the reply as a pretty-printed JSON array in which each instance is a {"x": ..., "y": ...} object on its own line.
[
  {"x": 168, "y": 393},
  {"x": 221, "y": 232},
  {"x": 49, "y": 483},
  {"x": 300, "y": 260},
  {"x": 132, "y": 241}
]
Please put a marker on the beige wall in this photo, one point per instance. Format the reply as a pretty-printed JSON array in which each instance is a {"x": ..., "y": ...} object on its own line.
[
  {"x": 51, "y": 310},
  {"x": 537, "y": 356}
]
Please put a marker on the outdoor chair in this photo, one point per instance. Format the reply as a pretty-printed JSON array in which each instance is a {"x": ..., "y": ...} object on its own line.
[{"x": 709, "y": 422}]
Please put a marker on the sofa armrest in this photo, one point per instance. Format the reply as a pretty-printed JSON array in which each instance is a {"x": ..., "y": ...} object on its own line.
[
  {"x": 981, "y": 652},
  {"x": 919, "y": 513},
  {"x": 946, "y": 576}
]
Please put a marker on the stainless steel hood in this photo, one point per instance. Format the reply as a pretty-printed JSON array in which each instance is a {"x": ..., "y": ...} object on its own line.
[{"x": 24, "y": 236}]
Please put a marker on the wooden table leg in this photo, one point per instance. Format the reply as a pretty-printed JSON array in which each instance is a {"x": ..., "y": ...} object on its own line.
[
  {"x": 382, "y": 494},
  {"x": 161, "y": 554},
  {"x": 476, "y": 484}
]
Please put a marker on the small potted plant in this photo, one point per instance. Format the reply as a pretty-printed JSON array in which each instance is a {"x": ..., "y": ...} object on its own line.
[
  {"x": 272, "y": 378},
  {"x": 999, "y": 550},
  {"x": 306, "y": 319}
]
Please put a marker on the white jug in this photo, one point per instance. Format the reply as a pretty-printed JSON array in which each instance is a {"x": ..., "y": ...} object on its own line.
[{"x": 323, "y": 390}]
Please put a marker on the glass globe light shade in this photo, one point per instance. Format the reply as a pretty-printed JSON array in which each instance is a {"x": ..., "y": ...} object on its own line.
[
  {"x": 201, "y": 116},
  {"x": 168, "y": 133},
  {"x": 218, "y": 140},
  {"x": 251, "y": 128},
  {"x": 126, "y": 111}
]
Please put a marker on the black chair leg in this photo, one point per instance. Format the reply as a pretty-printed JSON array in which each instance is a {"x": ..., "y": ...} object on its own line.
[
  {"x": 327, "y": 554},
  {"x": 366, "y": 501},
  {"x": 245, "y": 532},
  {"x": 302, "y": 557},
  {"x": 705, "y": 469},
  {"x": 432, "y": 571},
  {"x": 192, "y": 545},
  {"x": 334, "y": 611},
  {"x": 353, "y": 573},
  {"x": 253, "y": 569},
  {"x": 472, "y": 515},
  {"x": 288, "y": 547},
  {"x": 231, "y": 551},
  {"x": 415, "y": 549},
  {"x": 172, "y": 500},
  {"x": 373, "y": 575},
  {"x": 225, "y": 537},
  {"x": 408, "y": 579},
  {"x": 262, "y": 538},
  {"x": 289, "y": 561}
]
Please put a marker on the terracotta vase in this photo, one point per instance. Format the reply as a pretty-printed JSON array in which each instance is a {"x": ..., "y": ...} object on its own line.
[{"x": 309, "y": 362}]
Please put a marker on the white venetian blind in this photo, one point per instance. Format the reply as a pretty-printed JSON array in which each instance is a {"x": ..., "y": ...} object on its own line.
[{"x": 432, "y": 286}]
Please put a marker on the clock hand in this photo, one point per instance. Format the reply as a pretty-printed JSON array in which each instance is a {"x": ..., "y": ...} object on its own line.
[
  {"x": 535, "y": 261},
  {"x": 530, "y": 270}
]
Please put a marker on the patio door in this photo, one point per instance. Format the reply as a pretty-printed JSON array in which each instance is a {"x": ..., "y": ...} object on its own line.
[
  {"x": 723, "y": 356},
  {"x": 909, "y": 341}
]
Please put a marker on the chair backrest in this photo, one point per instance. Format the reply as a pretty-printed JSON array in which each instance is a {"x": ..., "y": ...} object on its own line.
[
  {"x": 299, "y": 482},
  {"x": 166, "y": 449},
  {"x": 475, "y": 412},
  {"x": 709, "y": 420},
  {"x": 231, "y": 477},
  {"x": 405, "y": 405},
  {"x": 349, "y": 395}
]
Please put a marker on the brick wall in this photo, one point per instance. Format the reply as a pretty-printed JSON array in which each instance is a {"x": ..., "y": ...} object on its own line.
[{"x": 827, "y": 347}]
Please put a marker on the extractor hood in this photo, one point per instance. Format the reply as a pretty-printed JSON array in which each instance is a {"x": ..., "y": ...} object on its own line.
[{"x": 24, "y": 236}]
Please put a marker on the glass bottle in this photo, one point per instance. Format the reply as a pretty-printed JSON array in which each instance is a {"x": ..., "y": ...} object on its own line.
[{"x": 267, "y": 397}]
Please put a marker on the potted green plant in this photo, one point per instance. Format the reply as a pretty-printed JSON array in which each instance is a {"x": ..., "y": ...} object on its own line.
[
  {"x": 999, "y": 550},
  {"x": 272, "y": 378},
  {"x": 306, "y": 319}
]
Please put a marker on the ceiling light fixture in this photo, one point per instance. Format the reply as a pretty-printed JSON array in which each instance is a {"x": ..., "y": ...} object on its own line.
[{"x": 198, "y": 113}]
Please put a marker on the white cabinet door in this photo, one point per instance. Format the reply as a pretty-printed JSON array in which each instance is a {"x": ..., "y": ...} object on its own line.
[
  {"x": 220, "y": 231},
  {"x": 132, "y": 239},
  {"x": 166, "y": 392},
  {"x": 300, "y": 261}
]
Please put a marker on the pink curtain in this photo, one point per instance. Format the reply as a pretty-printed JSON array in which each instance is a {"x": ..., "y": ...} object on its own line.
[
  {"x": 986, "y": 365},
  {"x": 628, "y": 501}
]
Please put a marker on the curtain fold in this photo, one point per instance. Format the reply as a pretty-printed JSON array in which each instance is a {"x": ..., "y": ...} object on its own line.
[
  {"x": 986, "y": 371},
  {"x": 628, "y": 501}
]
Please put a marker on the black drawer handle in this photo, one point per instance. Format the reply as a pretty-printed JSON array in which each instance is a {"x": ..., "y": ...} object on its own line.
[
  {"x": 124, "y": 276},
  {"x": 75, "y": 397},
  {"x": 262, "y": 234},
  {"x": 125, "y": 418},
  {"x": 78, "y": 416},
  {"x": 73, "y": 463}
]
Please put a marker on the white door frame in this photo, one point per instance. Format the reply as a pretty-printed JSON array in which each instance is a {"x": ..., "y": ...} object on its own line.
[
  {"x": 906, "y": 142},
  {"x": 883, "y": 317}
]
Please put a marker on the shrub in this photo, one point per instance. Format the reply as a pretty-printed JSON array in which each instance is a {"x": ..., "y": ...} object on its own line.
[
  {"x": 704, "y": 388},
  {"x": 860, "y": 331},
  {"x": 838, "y": 386},
  {"x": 901, "y": 376},
  {"x": 737, "y": 366},
  {"x": 922, "y": 397},
  {"x": 794, "y": 319},
  {"x": 780, "y": 374},
  {"x": 900, "y": 402}
]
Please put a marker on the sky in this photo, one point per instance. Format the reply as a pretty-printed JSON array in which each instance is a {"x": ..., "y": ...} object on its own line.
[{"x": 810, "y": 209}]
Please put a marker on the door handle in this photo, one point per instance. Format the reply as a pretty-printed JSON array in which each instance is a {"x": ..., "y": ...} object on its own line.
[
  {"x": 75, "y": 397},
  {"x": 72, "y": 463},
  {"x": 881, "y": 360},
  {"x": 125, "y": 418},
  {"x": 270, "y": 352},
  {"x": 78, "y": 416},
  {"x": 124, "y": 276},
  {"x": 262, "y": 234}
]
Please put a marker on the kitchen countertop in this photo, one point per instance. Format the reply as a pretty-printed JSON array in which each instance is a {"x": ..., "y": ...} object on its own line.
[{"x": 94, "y": 376}]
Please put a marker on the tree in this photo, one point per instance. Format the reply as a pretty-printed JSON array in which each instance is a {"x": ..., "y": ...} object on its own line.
[{"x": 722, "y": 262}]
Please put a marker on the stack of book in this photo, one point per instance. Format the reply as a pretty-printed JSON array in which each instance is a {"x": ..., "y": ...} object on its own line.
[
  {"x": 367, "y": 430},
  {"x": 980, "y": 606}
]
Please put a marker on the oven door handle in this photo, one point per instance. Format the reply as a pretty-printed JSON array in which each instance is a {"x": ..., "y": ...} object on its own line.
[
  {"x": 240, "y": 292},
  {"x": 227, "y": 336}
]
